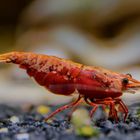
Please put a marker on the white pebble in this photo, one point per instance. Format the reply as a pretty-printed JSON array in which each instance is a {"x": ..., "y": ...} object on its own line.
[
  {"x": 3, "y": 130},
  {"x": 14, "y": 119},
  {"x": 23, "y": 136}
]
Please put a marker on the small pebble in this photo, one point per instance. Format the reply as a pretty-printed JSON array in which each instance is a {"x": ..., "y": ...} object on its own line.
[
  {"x": 14, "y": 119},
  {"x": 106, "y": 124},
  {"x": 87, "y": 131},
  {"x": 43, "y": 109},
  {"x": 23, "y": 136},
  {"x": 3, "y": 130}
]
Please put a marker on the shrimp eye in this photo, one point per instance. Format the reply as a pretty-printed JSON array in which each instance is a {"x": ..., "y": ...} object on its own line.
[{"x": 125, "y": 81}]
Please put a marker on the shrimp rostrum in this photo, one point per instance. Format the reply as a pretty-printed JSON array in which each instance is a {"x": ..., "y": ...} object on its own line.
[{"x": 95, "y": 86}]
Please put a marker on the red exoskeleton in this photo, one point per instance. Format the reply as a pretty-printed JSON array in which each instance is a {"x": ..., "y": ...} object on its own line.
[{"x": 95, "y": 86}]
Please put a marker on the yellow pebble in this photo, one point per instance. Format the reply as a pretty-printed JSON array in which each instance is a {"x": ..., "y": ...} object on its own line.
[
  {"x": 43, "y": 109},
  {"x": 87, "y": 131}
]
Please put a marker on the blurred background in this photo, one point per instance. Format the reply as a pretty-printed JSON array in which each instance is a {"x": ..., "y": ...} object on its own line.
[{"x": 92, "y": 32}]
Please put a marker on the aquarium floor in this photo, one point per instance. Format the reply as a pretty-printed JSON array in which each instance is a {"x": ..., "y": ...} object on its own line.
[{"x": 29, "y": 125}]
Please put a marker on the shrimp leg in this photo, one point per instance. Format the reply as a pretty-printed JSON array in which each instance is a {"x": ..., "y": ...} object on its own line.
[{"x": 77, "y": 102}]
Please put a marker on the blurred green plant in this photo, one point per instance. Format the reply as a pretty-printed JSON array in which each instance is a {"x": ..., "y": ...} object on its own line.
[{"x": 83, "y": 125}]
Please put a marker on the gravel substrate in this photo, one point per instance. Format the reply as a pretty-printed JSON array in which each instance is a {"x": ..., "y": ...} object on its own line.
[{"x": 16, "y": 124}]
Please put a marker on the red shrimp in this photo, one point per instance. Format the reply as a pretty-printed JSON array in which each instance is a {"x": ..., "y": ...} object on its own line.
[{"x": 94, "y": 85}]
